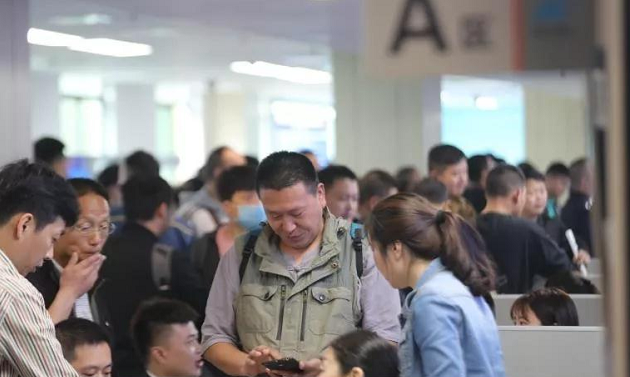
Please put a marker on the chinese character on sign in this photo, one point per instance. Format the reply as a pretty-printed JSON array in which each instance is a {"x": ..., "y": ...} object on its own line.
[{"x": 475, "y": 31}]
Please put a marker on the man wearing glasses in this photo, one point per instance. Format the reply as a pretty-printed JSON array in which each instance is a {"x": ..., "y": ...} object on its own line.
[{"x": 68, "y": 279}]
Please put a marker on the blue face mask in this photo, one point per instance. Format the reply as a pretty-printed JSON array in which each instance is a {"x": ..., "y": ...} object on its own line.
[{"x": 250, "y": 216}]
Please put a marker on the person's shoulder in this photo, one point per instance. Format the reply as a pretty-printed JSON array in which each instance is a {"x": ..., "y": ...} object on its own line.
[
  {"x": 443, "y": 285},
  {"x": 42, "y": 276},
  {"x": 17, "y": 289}
]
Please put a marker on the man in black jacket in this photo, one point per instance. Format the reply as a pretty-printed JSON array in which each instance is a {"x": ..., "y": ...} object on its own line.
[
  {"x": 68, "y": 281},
  {"x": 137, "y": 268},
  {"x": 576, "y": 214}
]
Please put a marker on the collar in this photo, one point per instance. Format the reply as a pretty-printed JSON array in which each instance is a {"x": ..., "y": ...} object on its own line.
[{"x": 434, "y": 268}]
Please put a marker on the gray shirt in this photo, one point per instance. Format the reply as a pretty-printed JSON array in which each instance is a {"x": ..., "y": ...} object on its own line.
[{"x": 379, "y": 301}]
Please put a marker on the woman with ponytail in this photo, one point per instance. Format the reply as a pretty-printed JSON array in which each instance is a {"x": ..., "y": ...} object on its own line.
[{"x": 449, "y": 329}]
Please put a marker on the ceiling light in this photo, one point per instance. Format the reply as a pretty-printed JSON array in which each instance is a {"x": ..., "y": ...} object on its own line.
[
  {"x": 297, "y": 75},
  {"x": 486, "y": 103},
  {"x": 99, "y": 46}
]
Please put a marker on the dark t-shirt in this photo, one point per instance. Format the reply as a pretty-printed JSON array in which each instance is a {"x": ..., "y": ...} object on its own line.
[
  {"x": 521, "y": 250},
  {"x": 477, "y": 197}
]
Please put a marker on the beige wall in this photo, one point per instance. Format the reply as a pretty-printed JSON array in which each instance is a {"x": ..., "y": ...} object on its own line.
[{"x": 556, "y": 127}]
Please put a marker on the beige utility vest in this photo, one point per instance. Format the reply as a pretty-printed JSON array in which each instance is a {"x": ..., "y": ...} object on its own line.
[{"x": 299, "y": 317}]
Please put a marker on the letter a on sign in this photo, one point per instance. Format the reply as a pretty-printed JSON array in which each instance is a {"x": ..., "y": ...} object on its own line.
[{"x": 406, "y": 29}]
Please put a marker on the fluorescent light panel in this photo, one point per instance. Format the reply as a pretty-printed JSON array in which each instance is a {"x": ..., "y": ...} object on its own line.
[
  {"x": 296, "y": 75},
  {"x": 99, "y": 46}
]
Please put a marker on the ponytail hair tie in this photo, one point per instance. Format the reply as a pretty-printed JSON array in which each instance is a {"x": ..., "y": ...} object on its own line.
[{"x": 440, "y": 218}]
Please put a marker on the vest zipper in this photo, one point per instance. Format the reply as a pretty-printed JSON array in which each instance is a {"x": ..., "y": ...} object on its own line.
[
  {"x": 283, "y": 298},
  {"x": 304, "y": 305}
]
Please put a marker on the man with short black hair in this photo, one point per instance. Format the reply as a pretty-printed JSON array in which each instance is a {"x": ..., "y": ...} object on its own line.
[
  {"x": 67, "y": 280},
  {"x": 342, "y": 191},
  {"x": 203, "y": 209},
  {"x": 448, "y": 165},
  {"x": 520, "y": 248},
  {"x": 557, "y": 180},
  {"x": 141, "y": 163},
  {"x": 49, "y": 151},
  {"x": 576, "y": 213},
  {"x": 434, "y": 191},
  {"x": 375, "y": 186},
  {"x": 300, "y": 275},
  {"x": 138, "y": 268},
  {"x": 85, "y": 346},
  {"x": 479, "y": 167},
  {"x": 166, "y": 339},
  {"x": 36, "y": 205}
]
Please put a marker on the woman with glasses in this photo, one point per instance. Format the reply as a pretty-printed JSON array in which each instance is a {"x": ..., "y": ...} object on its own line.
[{"x": 68, "y": 279}]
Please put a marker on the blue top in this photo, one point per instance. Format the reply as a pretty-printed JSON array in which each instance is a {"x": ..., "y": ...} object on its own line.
[{"x": 448, "y": 332}]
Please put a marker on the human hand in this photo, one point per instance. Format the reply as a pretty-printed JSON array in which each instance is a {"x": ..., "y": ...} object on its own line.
[
  {"x": 261, "y": 354},
  {"x": 78, "y": 277}
]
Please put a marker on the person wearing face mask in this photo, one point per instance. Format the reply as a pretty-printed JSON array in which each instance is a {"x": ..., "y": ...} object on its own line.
[{"x": 236, "y": 188}]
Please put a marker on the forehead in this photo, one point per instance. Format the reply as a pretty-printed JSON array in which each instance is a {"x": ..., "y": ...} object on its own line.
[
  {"x": 345, "y": 184},
  {"x": 178, "y": 332},
  {"x": 458, "y": 166},
  {"x": 290, "y": 197},
  {"x": 93, "y": 203},
  {"x": 93, "y": 354},
  {"x": 534, "y": 183}
]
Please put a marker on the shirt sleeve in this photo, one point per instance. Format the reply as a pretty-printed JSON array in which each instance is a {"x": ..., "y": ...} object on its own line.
[
  {"x": 380, "y": 302},
  {"x": 553, "y": 258},
  {"x": 27, "y": 339},
  {"x": 220, "y": 323},
  {"x": 436, "y": 333}
]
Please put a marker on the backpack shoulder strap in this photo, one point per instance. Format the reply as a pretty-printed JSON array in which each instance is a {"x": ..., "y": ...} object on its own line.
[
  {"x": 161, "y": 258},
  {"x": 356, "y": 232},
  {"x": 248, "y": 250}
]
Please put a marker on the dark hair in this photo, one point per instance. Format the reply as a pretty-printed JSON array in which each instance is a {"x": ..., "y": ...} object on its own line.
[
  {"x": 85, "y": 186},
  {"x": 252, "y": 161},
  {"x": 572, "y": 283},
  {"x": 366, "y": 350},
  {"x": 404, "y": 178},
  {"x": 503, "y": 180},
  {"x": 214, "y": 161},
  {"x": 375, "y": 183},
  {"x": 432, "y": 190},
  {"x": 143, "y": 195},
  {"x": 533, "y": 174},
  {"x": 526, "y": 168},
  {"x": 238, "y": 178},
  {"x": 109, "y": 176},
  {"x": 578, "y": 170},
  {"x": 142, "y": 163},
  {"x": 552, "y": 306},
  {"x": 332, "y": 173},
  {"x": 76, "y": 332},
  {"x": 430, "y": 234},
  {"x": 48, "y": 150},
  {"x": 443, "y": 156},
  {"x": 476, "y": 166},
  {"x": 558, "y": 169},
  {"x": 285, "y": 169},
  {"x": 154, "y": 318},
  {"x": 36, "y": 189}
]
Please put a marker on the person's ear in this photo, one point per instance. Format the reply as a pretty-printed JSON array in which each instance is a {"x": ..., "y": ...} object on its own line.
[
  {"x": 321, "y": 195},
  {"x": 396, "y": 250},
  {"x": 159, "y": 354},
  {"x": 25, "y": 223},
  {"x": 356, "y": 372}
]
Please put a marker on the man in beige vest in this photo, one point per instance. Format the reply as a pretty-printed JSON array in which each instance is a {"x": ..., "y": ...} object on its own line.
[{"x": 304, "y": 283}]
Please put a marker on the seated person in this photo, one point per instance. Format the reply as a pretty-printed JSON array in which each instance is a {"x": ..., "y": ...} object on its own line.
[
  {"x": 236, "y": 189},
  {"x": 166, "y": 339},
  {"x": 434, "y": 191},
  {"x": 375, "y": 186},
  {"x": 521, "y": 249},
  {"x": 360, "y": 354},
  {"x": 572, "y": 283},
  {"x": 545, "y": 307},
  {"x": 85, "y": 346},
  {"x": 342, "y": 191}
]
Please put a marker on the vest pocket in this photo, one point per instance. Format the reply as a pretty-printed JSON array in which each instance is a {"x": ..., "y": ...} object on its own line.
[
  {"x": 331, "y": 312},
  {"x": 256, "y": 309}
]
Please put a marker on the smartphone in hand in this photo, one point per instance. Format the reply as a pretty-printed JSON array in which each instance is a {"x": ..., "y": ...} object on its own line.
[{"x": 285, "y": 365}]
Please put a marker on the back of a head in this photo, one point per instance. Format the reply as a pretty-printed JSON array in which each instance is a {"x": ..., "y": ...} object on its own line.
[
  {"x": 578, "y": 172},
  {"x": 332, "y": 173},
  {"x": 143, "y": 195},
  {"x": 153, "y": 320},
  {"x": 36, "y": 189},
  {"x": 476, "y": 166},
  {"x": 238, "y": 178},
  {"x": 429, "y": 234},
  {"x": 571, "y": 283},
  {"x": 142, "y": 163},
  {"x": 558, "y": 169},
  {"x": 85, "y": 186},
  {"x": 432, "y": 190},
  {"x": 109, "y": 176},
  {"x": 366, "y": 350},
  {"x": 214, "y": 161},
  {"x": 77, "y": 332},
  {"x": 442, "y": 156},
  {"x": 407, "y": 178},
  {"x": 377, "y": 183},
  {"x": 527, "y": 168},
  {"x": 281, "y": 170},
  {"x": 533, "y": 174},
  {"x": 48, "y": 150},
  {"x": 503, "y": 181},
  {"x": 552, "y": 306}
]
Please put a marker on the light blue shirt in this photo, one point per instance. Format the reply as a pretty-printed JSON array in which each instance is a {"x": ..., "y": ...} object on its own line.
[{"x": 448, "y": 332}]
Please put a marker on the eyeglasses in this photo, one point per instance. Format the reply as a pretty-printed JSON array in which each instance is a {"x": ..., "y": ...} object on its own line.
[{"x": 103, "y": 229}]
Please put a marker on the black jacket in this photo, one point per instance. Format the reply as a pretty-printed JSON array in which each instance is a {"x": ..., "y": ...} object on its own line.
[
  {"x": 47, "y": 279},
  {"x": 128, "y": 271},
  {"x": 576, "y": 215}
]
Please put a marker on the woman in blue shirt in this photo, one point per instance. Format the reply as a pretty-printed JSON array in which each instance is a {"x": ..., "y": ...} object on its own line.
[{"x": 449, "y": 328}]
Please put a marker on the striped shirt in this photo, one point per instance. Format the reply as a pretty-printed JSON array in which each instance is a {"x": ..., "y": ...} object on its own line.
[{"x": 28, "y": 347}]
